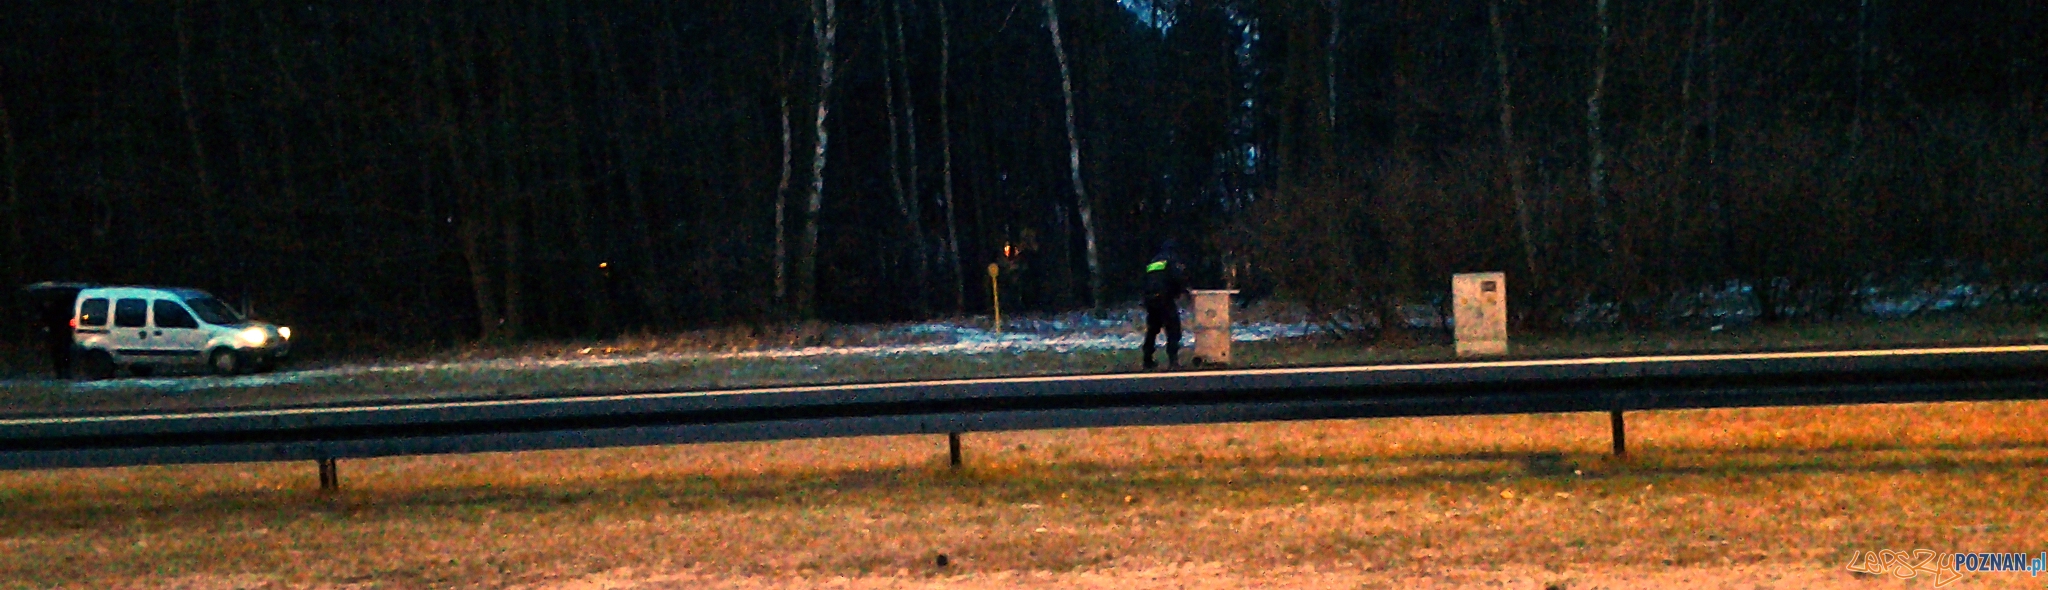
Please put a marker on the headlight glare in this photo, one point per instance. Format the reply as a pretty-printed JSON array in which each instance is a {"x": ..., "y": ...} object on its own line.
[
  {"x": 285, "y": 332},
  {"x": 254, "y": 336}
]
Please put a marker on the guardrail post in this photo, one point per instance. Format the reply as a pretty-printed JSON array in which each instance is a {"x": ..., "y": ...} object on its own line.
[
  {"x": 1620, "y": 433},
  {"x": 953, "y": 445},
  {"x": 330, "y": 477}
]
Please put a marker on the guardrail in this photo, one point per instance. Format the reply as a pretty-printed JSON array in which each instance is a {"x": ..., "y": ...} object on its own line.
[{"x": 1613, "y": 385}]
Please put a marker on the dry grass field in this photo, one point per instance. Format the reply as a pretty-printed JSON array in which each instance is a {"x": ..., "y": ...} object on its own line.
[{"x": 1774, "y": 498}]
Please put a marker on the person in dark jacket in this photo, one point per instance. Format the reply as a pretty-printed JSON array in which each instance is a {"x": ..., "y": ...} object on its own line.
[
  {"x": 52, "y": 311},
  {"x": 1165, "y": 282}
]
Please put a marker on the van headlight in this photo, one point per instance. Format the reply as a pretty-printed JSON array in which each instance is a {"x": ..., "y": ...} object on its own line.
[
  {"x": 253, "y": 336},
  {"x": 284, "y": 332}
]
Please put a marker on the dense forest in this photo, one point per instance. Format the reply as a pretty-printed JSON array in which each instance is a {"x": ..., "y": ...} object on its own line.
[{"x": 446, "y": 171}]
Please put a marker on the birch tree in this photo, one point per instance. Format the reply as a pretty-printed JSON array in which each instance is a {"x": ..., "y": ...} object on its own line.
[
  {"x": 946, "y": 143},
  {"x": 824, "y": 31},
  {"x": 1511, "y": 153},
  {"x": 1082, "y": 205}
]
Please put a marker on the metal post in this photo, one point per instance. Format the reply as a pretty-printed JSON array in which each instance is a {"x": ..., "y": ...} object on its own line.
[
  {"x": 1620, "y": 433},
  {"x": 330, "y": 478},
  {"x": 953, "y": 444},
  {"x": 996, "y": 296}
]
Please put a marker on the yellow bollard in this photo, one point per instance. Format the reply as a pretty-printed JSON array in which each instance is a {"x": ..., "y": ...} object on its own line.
[{"x": 992, "y": 269}]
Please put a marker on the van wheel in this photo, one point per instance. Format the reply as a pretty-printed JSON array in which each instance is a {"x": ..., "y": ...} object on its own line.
[
  {"x": 225, "y": 362},
  {"x": 97, "y": 365}
]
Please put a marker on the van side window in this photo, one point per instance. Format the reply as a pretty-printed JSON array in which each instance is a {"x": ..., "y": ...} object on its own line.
[
  {"x": 92, "y": 313},
  {"x": 131, "y": 313},
  {"x": 171, "y": 315}
]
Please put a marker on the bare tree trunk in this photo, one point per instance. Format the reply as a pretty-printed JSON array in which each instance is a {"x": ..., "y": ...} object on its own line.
[
  {"x": 1511, "y": 153},
  {"x": 238, "y": 129},
  {"x": 596, "y": 309},
  {"x": 632, "y": 152},
  {"x": 916, "y": 216},
  {"x": 514, "y": 262},
  {"x": 824, "y": 30},
  {"x": 781, "y": 198},
  {"x": 1687, "y": 120},
  {"x": 946, "y": 141},
  {"x": 903, "y": 206},
  {"x": 469, "y": 228},
  {"x": 1082, "y": 205},
  {"x": 909, "y": 106},
  {"x": 664, "y": 43},
  {"x": 1596, "y": 174},
  {"x": 422, "y": 124},
  {"x": 110, "y": 191},
  {"x": 500, "y": 206},
  {"x": 471, "y": 232},
  {"x": 191, "y": 113},
  {"x": 1685, "y": 113},
  {"x": 17, "y": 241},
  {"x": 1861, "y": 63},
  {"x": 1330, "y": 62},
  {"x": 516, "y": 198},
  {"x": 511, "y": 225},
  {"x": 1717, "y": 211},
  {"x": 288, "y": 89}
]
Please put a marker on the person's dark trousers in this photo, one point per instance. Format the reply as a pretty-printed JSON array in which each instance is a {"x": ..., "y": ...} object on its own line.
[
  {"x": 60, "y": 355},
  {"x": 1162, "y": 315}
]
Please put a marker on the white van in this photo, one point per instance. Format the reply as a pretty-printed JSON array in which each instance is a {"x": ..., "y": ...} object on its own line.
[{"x": 146, "y": 328}]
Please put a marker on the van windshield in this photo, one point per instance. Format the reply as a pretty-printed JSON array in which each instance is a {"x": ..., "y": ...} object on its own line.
[{"x": 214, "y": 312}]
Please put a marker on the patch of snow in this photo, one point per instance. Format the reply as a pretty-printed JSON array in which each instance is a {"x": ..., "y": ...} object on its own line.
[
  {"x": 1422, "y": 316},
  {"x": 1271, "y": 331},
  {"x": 1928, "y": 286},
  {"x": 1733, "y": 303},
  {"x": 1591, "y": 313},
  {"x": 194, "y": 383}
]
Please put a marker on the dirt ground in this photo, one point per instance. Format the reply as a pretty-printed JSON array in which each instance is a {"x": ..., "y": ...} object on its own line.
[{"x": 1216, "y": 576}]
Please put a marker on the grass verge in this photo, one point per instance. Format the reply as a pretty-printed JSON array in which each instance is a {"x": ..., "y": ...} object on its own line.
[{"x": 1399, "y": 499}]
